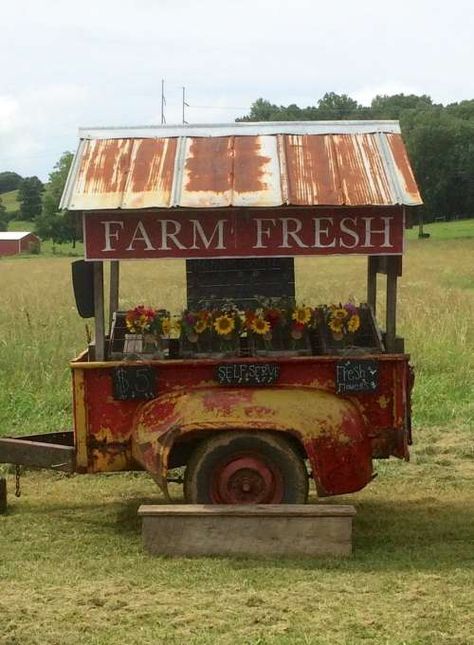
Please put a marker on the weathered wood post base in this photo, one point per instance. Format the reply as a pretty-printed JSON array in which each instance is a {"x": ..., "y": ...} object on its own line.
[
  {"x": 262, "y": 530},
  {"x": 3, "y": 495}
]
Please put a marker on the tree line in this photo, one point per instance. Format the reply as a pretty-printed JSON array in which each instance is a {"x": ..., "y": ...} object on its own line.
[
  {"x": 439, "y": 139},
  {"x": 38, "y": 203}
]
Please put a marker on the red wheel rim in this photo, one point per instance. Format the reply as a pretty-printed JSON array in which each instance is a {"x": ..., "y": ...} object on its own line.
[{"x": 247, "y": 479}]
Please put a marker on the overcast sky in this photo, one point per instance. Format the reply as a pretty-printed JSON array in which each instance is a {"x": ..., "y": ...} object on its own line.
[{"x": 67, "y": 64}]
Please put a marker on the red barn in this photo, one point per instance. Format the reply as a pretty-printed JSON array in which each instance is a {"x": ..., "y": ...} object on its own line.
[{"x": 16, "y": 242}]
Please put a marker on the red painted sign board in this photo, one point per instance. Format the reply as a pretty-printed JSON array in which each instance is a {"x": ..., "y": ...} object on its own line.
[{"x": 237, "y": 233}]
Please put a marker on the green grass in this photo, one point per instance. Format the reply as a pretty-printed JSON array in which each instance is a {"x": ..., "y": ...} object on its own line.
[
  {"x": 445, "y": 230},
  {"x": 72, "y": 568},
  {"x": 9, "y": 200}
]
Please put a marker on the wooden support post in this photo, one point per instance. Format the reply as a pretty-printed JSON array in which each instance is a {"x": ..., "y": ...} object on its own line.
[
  {"x": 114, "y": 290},
  {"x": 372, "y": 282},
  {"x": 391, "y": 314},
  {"x": 99, "y": 311}
]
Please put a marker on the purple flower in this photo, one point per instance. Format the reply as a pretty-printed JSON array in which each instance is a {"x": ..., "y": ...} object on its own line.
[{"x": 352, "y": 309}]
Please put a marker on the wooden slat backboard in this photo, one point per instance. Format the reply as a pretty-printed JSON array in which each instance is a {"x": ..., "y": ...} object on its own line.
[{"x": 243, "y": 281}]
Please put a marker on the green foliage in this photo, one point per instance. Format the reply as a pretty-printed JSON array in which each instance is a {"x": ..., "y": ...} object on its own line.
[
  {"x": 29, "y": 196},
  {"x": 440, "y": 141},
  {"x": 53, "y": 224},
  {"x": 9, "y": 181}
]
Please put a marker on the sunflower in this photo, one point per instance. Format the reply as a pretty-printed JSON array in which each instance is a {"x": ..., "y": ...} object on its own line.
[
  {"x": 224, "y": 325},
  {"x": 339, "y": 313},
  {"x": 302, "y": 315},
  {"x": 335, "y": 325},
  {"x": 260, "y": 326},
  {"x": 200, "y": 326},
  {"x": 353, "y": 324}
]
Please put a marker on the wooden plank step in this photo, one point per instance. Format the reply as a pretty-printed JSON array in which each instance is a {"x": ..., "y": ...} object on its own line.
[{"x": 260, "y": 530}]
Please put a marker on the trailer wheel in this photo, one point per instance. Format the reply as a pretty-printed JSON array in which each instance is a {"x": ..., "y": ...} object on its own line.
[{"x": 246, "y": 468}]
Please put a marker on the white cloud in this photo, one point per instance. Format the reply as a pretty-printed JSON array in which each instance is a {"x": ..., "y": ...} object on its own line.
[
  {"x": 101, "y": 63},
  {"x": 8, "y": 113},
  {"x": 36, "y": 125}
]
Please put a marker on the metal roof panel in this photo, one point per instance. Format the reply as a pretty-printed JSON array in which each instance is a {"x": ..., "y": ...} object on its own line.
[{"x": 317, "y": 164}]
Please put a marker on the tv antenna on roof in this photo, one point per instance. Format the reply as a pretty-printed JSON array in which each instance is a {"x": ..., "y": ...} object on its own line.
[
  {"x": 184, "y": 103},
  {"x": 163, "y": 101}
]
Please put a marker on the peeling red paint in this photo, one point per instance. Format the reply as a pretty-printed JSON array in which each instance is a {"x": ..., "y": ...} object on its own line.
[{"x": 340, "y": 452}]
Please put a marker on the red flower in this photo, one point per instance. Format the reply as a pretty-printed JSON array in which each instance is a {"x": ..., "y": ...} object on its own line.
[{"x": 273, "y": 317}]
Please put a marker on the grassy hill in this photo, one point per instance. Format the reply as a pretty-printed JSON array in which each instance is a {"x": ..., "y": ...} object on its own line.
[{"x": 10, "y": 202}]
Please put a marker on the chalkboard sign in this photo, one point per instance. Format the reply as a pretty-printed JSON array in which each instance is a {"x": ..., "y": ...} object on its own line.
[
  {"x": 356, "y": 376},
  {"x": 247, "y": 373},
  {"x": 133, "y": 383}
]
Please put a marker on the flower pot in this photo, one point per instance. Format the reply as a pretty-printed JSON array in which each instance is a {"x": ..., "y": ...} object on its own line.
[{"x": 133, "y": 344}]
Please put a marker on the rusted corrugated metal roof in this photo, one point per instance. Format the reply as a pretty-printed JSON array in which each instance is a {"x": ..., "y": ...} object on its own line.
[{"x": 333, "y": 163}]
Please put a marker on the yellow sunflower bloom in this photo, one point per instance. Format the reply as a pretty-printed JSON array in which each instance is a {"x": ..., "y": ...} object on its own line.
[
  {"x": 302, "y": 315},
  {"x": 340, "y": 313},
  {"x": 224, "y": 325},
  {"x": 335, "y": 325},
  {"x": 353, "y": 324},
  {"x": 260, "y": 326}
]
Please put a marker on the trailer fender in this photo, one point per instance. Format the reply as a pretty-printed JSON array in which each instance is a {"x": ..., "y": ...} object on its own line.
[{"x": 329, "y": 427}]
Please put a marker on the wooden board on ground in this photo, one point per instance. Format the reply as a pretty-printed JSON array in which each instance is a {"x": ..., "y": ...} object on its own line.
[{"x": 260, "y": 530}]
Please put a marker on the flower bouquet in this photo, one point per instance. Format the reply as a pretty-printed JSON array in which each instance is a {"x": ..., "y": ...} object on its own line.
[
  {"x": 196, "y": 333},
  {"x": 227, "y": 327},
  {"x": 279, "y": 330},
  {"x": 208, "y": 332},
  {"x": 343, "y": 323},
  {"x": 146, "y": 327}
]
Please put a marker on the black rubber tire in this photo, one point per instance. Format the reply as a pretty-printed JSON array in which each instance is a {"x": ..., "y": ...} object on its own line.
[{"x": 273, "y": 448}]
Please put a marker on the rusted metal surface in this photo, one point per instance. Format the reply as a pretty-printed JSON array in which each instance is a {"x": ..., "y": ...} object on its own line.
[
  {"x": 345, "y": 164},
  {"x": 339, "y": 434},
  {"x": 329, "y": 427}
]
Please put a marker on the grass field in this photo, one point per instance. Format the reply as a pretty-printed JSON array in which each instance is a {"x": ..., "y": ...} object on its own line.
[{"x": 71, "y": 564}]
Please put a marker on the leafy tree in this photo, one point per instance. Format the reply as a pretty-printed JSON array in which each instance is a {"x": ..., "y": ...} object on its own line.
[
  {"x": 394, "y": 107},
  {"x": 442, "y": 150},
  {"x": 29, "y": 196},
  {"x": 53, "y": 224},
  {"x": 440, "y": 141},
  {"x": 337, "y": 106},
  {"x": 9, "y": 181}
]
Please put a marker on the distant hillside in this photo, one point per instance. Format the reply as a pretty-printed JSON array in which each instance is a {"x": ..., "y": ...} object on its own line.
[{"x": 10, "y": 202}]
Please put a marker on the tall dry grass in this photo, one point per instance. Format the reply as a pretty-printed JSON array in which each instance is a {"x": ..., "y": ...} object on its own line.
[{"x": 40, "y": 330}]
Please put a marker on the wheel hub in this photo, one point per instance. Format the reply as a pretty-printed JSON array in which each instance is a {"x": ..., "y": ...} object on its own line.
[{"x": 247, "y": 479}]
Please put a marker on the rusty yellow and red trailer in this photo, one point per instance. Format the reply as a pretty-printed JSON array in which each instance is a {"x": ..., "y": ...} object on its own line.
[
  {"x": 339, "y": 435},
  {"x": 245, "y": 429}
]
